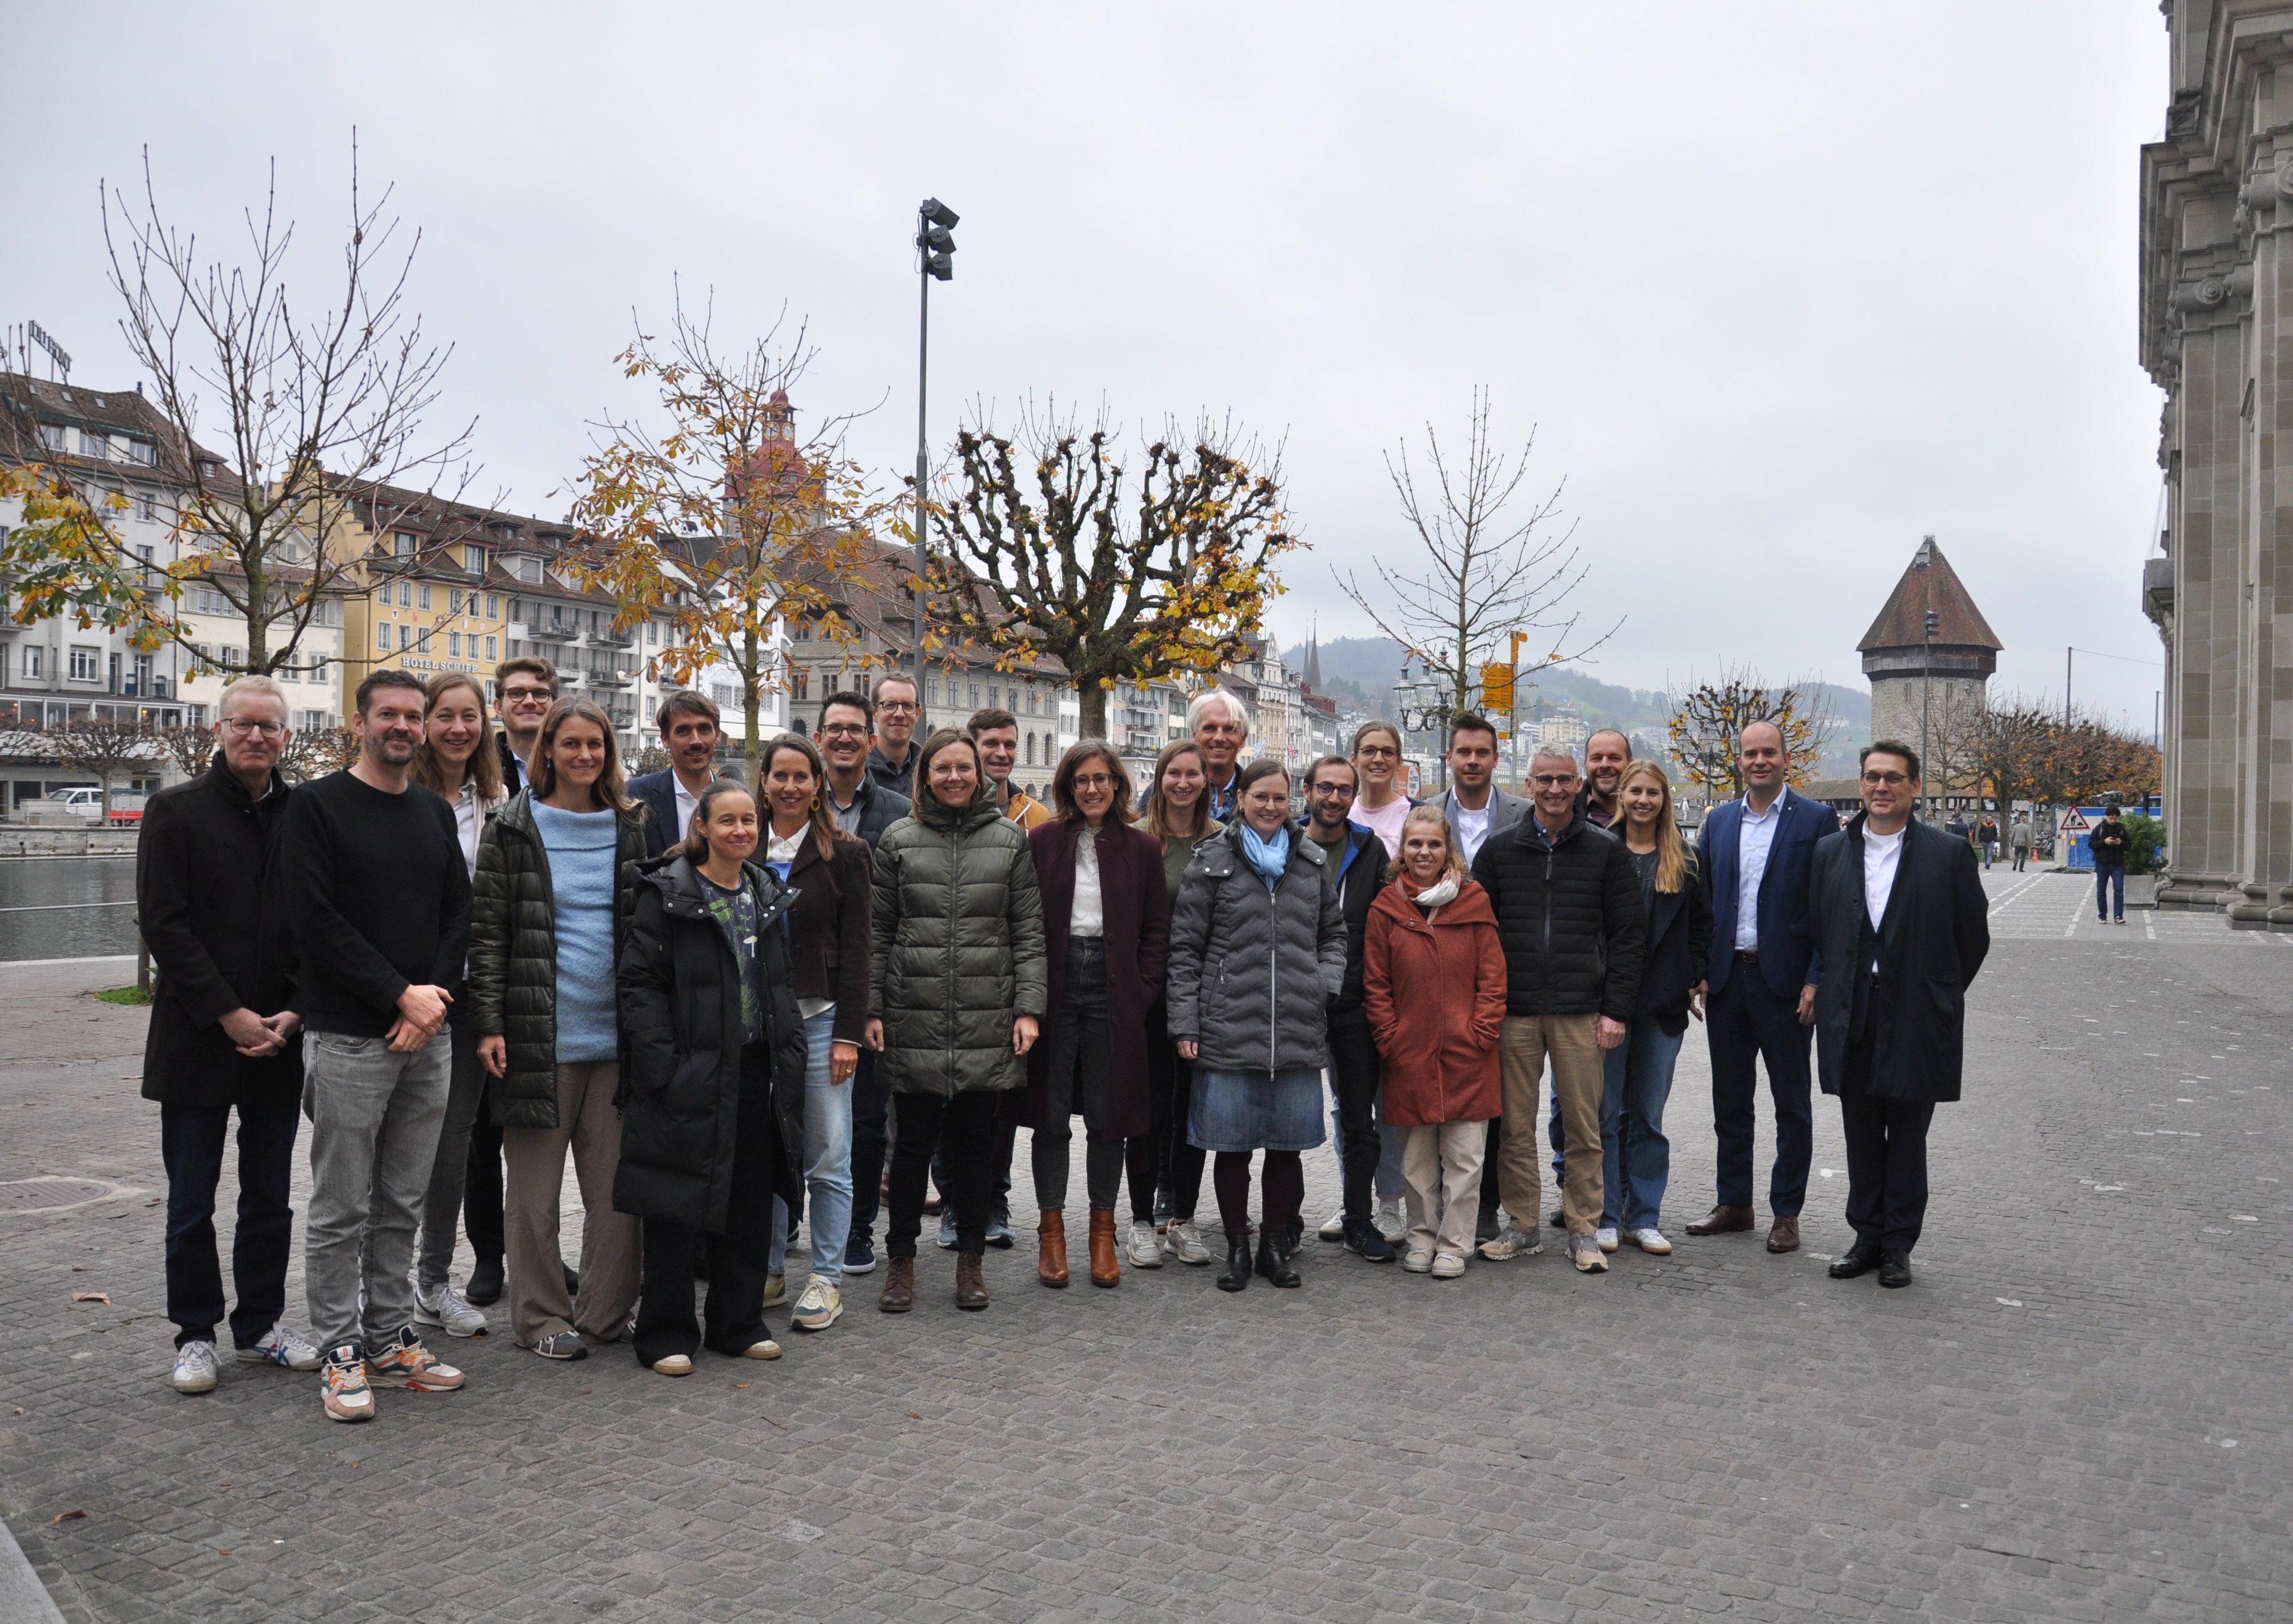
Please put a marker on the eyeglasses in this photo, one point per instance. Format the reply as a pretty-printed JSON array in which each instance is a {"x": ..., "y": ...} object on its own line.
[
  {"x": 1377, "y": 752},
  {"x": 1554, "y": 781},
  {"x": 1093, "y": 781},
  {"x": 1876, "y": 779},
  {"x": 1344, "y": 790},
  {"x": 844, "y": 730},
  {"x": 895, "y": 707},
  {"x": 240, "y": 726},
  {"x": 518, "y": 696}
]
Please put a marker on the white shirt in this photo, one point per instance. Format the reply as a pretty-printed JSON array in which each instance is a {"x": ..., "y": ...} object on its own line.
[
  {"x": 1087, "y": 917},
  {"x": 1754, "y": 835},
  {"x": 1882, "y": 854},
  {"x": 687, "y": 800},
  {"x": 788, "y": 850},
  {"x": 1472, "y": 827},
  {"x": 469, "y": 823}
]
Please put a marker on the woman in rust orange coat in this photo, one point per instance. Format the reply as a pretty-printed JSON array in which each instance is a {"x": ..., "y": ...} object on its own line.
[{"x": 1433, "y": 982}]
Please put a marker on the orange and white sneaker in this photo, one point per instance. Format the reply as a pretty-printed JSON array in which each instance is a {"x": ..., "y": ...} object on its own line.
[
  {"x": 342, "y": 1386},
  {"x": 407, "y": 1363}
]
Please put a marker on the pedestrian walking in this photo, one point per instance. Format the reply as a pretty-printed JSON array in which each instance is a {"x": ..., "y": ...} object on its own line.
[
  {"x": 1568, "y": 910},
  {"x": 828, "y": 946},
  {"x": 691, "y": 728},
  {"x": 457, "y": 761},
  {"x": 380, "y": 900},
  {"x": 1106, "y": 932},
  {"x": 2018, "y": 840},
  {"x": 2108, "y": 845},
  {"x": 554, "y": 896},
  {"x": 713, "y": 1109},
  {"x": 1986, "y": 836},
  {"x": 1754, "y": 855},
  {"x": 1636, "y": 1075},
  {"x": 1178, "y": 815},
  {"x": 210, "y": 903},
  {"x": 1900, "y": 925},
  {"x": 1355, "y": 860},
  {"x": 1257, "y": 948},
  {"x": 956, "y": 998},
  {"x": 1434, "y": 984}
]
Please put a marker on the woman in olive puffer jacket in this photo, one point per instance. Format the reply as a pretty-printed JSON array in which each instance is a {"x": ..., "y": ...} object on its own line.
[
  {"x": 956, "y": 984},
  {"x": 550, "y": 909}
]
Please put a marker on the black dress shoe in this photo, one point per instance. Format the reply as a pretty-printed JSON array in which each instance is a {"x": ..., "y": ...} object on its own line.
[
  {"x": 1857, "y": 1259},
  {"x": 1235, "y": 1275},
  {"x": 1365, "y": 1242},
  {"x": 485, "y": 1287},
  {"x": 1895, "y": 1269},
  {"x": 1560, "y": 1219},
  {"x": 572, "y": 1279},
  {"x": 1274, "y": 1261}
]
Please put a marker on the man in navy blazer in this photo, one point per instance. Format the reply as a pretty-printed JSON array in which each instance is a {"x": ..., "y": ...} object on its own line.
[
  {"x": 691, "y": 727},
  {"x": 1757, "y": 857}
]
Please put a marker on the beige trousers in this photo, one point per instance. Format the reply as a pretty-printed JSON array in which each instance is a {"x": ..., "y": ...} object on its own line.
[
  {"x": 587, "y": 1124},
  {"x": 1572, "y": 1043},
  {"x": 1441, "y": 1180}
]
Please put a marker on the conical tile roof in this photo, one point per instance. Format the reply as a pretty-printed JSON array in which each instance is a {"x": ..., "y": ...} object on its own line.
[{"x": 1930, "y": 583}]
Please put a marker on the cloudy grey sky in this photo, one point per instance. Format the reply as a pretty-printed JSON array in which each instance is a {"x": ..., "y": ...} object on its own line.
[{"x": 1781, "y": 286}]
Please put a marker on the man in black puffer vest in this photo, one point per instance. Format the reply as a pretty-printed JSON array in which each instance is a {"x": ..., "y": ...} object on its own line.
[{"x": 1569, "y": 909}]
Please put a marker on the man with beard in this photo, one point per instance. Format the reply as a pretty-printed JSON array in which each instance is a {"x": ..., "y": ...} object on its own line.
[
  {"x": 380, "y": 896},
  {"x": 1607, "y": 754}
]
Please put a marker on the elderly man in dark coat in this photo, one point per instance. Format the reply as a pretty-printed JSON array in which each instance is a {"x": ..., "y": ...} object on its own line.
[{"x": 1898, "y": 915}]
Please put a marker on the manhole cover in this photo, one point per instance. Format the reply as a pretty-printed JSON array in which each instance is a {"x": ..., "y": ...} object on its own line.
[{"x": 51, "y": 1194}]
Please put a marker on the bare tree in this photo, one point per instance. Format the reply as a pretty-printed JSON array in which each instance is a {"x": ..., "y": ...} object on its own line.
[
  {"x": 1485, "y": 574},
  {"x": 316, "y": 752},
  {"x": 1955, "y": 727},
  {"x": 190, "y": 748},
  {"x": 307, "y": 409},
  {"x": 106, "y": 747}
]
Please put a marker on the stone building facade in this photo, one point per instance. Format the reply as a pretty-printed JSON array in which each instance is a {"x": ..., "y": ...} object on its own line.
[
  {"x": 2217, "y": 336},
  {"x": 1929, "y": 656}
]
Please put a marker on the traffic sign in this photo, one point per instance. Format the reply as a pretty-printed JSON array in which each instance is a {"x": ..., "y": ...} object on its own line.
[{"x": 2074, "y": 822}]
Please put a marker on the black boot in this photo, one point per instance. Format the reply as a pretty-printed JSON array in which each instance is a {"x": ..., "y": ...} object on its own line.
[
  {"x": 1363, "y": 1239},
  {"x": 1235, "y": 1275},
  {"x": 1274, "y": 1259},
  {"x": 485, "y": 1287}
]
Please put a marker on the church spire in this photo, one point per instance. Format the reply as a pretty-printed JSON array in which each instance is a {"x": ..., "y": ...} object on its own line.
[{"x": 1313, "y": 673}]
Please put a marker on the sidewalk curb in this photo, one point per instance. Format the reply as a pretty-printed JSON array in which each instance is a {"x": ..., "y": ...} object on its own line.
[{"x": 23, "y": 1598}]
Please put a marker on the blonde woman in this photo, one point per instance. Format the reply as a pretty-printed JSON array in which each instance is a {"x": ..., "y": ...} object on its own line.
[{"x": 1636, "y": 1158}]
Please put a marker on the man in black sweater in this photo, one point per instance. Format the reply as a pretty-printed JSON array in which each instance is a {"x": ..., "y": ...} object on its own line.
[
  {"x": 381, "y": 902},
  {"x": 2108, "y": 846}
]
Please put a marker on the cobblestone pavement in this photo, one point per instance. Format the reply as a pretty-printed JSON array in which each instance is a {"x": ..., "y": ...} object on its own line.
[{"x": 2078, "y": 1411}]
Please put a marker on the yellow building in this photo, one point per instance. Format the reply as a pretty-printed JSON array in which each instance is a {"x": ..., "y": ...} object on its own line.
[{"x": 429, "y": 596}]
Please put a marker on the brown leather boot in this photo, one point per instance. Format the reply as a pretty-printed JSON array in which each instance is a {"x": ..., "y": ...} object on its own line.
[
  {"x": 1104, "y": 1268},
  {"x": 1051, "y": 1247},
  {"x": 970, "y": 1290},
  {"x": 899, "y": 1294}
]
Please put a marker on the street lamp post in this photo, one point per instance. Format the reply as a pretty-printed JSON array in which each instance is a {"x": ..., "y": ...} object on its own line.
[
  {"x": 1424, "y": 704},
  {"x": 934, "y": 261}
]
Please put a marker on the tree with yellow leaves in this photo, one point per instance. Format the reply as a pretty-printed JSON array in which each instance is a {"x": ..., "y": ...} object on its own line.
[
  {"x": 1708, "y": 721},
  {"x": 1050, "y": 549}
]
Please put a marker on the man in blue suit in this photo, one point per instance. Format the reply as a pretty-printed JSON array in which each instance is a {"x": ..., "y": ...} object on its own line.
[
  {"x": 1757, "y": 855},
  {"x": 691, "y": 728}
]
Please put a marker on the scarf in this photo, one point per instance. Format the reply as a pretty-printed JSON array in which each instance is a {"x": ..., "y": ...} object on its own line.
[
  {"x": 1269, "y": 855},
  {"x": 1432, "y": 896}
]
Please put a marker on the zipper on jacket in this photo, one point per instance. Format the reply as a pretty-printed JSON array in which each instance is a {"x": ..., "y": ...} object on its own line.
[
  {"x": 1544, "y": 964},
  {"x": 954, "y": 857}
]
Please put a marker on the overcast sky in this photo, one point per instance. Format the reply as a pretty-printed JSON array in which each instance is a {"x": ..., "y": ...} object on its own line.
[{"x": 1780, "y": 287}]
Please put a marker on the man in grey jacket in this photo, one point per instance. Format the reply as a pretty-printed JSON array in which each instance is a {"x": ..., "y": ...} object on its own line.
[{"x": 1474, "y": 806}]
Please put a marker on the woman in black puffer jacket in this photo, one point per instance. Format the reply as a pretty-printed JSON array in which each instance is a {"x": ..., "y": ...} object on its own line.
[
  {"x": 714, "y": 1100},
  {"x": 956, "y": 984}
]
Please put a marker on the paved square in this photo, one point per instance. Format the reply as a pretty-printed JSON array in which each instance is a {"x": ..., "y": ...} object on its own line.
[{"x": 2078, "y": 1411}]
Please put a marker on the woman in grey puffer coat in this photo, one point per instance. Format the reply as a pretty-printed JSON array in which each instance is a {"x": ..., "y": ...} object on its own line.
[
  {"x": 1258, "y": 949},
  {"x": 957, "y": 986}
]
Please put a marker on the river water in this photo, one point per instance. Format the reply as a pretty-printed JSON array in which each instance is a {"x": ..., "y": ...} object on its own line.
[{"x": 33, "y": 927}]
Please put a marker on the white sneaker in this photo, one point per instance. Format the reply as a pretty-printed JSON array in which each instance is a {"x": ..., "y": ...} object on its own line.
[
  {"x": 1448, "y": 1266},
  {"x": 675, "y": 1364},
  {"x": 1651, "y": 1241},
  {"x": 1334, "y": 1227},
  {"x": 449, "y": 1310},
  {"x": 195, "y": 1367},
  {"x": 1183, "y": 1242},
  {"x": 1606, "y": 1240},
  {"x": 820, "y": 1307},
  {"x": 1144, "y": 1246},
  {"x": 1417, "y": 1260},
  {"x": 1390, "y": 1224},
  {"x": 1511, "y": 1242},
  {"x": 282, "y": 1345}
]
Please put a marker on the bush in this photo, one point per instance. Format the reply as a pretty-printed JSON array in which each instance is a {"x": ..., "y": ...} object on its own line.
[{"x": 2145, "y": 839}]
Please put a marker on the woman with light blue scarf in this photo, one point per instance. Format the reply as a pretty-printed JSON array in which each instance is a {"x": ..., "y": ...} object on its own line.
[{"x": 1258, "y": 949}]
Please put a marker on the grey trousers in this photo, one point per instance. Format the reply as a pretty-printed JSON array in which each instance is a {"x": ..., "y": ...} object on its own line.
[
  {"x": 374, "y": 1134},
  {"x": 442, "y": 1207}
]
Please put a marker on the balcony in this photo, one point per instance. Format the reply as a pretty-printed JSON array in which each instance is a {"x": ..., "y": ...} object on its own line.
[
  {"x": 550, "y": 631},
  {"x": 609, "y": 639},
  {"x": 604, "y": 679}
]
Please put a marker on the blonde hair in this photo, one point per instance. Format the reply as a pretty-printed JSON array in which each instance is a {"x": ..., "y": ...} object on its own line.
[
  {"x": 1428, "y": 813},
  {"x": 1673, "y": 861}
]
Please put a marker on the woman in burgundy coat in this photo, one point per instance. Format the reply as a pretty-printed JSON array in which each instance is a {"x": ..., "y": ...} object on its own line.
[{"x": 1107, "y": 924}]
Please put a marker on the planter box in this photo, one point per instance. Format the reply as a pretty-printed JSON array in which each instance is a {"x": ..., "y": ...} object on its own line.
[{"x": 2141, "y": 890}]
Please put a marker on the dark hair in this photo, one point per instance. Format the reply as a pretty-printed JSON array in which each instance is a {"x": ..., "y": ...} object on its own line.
[
  {"x": 1158, "y": 811},
  {"x": 823, "y": 817},
  {"x": 984, "y": 722},
  {"x": 1265, "y": 766},
  {"x": 1471, "y": 721},
  {"x": 687, "y": 701},
  {"x": 526, "y": 662},
  {"x": 613, "y": 795},
  {"x": 945, "y": 738},
  {"x": 1890, "y": 747},
  {"x": 1063, "y": 799},
  {"x": 387, "y": 677},
  {"x": 1344, "y": 762},
  {"x": 861, "y": 703},
  {"x": 484, "y": 764},
  {"x": 695, "y": 846}
]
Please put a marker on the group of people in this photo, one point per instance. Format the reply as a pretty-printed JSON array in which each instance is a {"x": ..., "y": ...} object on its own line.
[{"x": 844, "y": 989}]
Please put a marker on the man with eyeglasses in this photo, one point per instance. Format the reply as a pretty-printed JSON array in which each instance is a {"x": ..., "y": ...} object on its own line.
[
  {"x": 1355, "y": 860},
  {"x": 863, "y": 807},
  {"x": 691, "y": 729},
  {"x": 527, "y": 687},
  {"x": 211, "y": 900},
  {"x": 1901, "y": 928},
  {"x": 1756, "y": 854},
  {"x": 891, "y": 760},
  {"x": 1569, "y": 916}
]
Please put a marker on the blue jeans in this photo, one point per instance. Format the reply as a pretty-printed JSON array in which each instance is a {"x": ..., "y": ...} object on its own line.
[
  {"x": 827, "y": 1159},
  {"x": 1635, "y": 1156},
  {"x": 2108, "y": 887}
]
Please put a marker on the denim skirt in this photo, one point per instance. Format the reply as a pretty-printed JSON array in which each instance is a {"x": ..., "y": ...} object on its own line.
[{"x": 1256, "y": 1110}]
